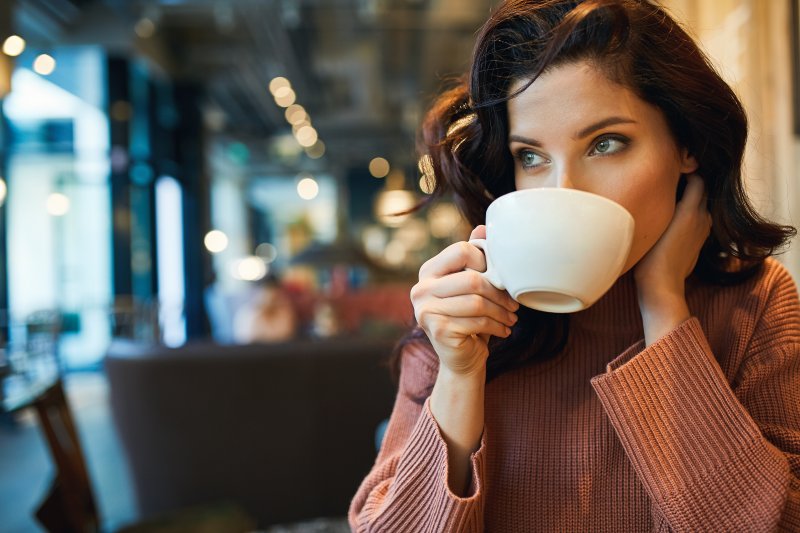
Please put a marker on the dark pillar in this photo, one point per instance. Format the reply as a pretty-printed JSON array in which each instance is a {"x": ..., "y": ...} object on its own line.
[
  {"x": 118, "y": 91},
  {"x": 189, "y": 149}
]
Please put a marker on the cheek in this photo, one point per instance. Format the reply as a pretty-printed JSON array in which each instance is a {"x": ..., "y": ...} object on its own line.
[{"x": 652, "y": 207}]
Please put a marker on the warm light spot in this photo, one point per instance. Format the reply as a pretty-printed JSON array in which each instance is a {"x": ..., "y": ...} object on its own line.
[
  {"x": 278, "y": 83},
  {"x": 215, "y": 241},
  {"x": 13, "y": 45},
  {"x": 145, "y": 28},
  {"x": 379, "y": 167},
  {"x": 301, "y": 124},
  {"x": 295, "y": 114},
  {"x": 426, "y": 184},
  {"x": 307, "y": 188},
  {"x": 57, "y": 204},
  {"x": 250, "y": 269},
  {"x": 284, "y": 96},
  {"x": 443, "y": 219},
  {"x": 306, "y": 136},
  {"x": 3, "y": 191},
  {"x": 316, "y": 151},
  {"x": 44, "y": 64},
  {"x": 395, "y": 253},
  {"x": 391, "y": 205}
]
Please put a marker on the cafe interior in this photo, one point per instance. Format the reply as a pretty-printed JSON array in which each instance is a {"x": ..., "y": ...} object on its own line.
[{"x": 207, "y": 241}]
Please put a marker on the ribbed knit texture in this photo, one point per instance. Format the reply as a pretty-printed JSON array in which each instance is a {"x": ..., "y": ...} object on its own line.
[{"x": 698, "y": 432}]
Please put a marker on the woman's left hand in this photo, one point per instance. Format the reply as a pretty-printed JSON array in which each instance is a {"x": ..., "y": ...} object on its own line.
[{"x": 661, "y": 274}]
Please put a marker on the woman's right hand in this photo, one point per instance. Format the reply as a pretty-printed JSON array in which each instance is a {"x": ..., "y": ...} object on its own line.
[{"x": 459, "y": 309}]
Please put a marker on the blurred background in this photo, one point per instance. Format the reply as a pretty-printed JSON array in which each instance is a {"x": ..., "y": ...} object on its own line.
[{"x": 212, "y": 184}]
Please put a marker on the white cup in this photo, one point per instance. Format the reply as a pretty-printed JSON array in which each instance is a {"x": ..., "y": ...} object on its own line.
[{"x": 555, "y": 250}]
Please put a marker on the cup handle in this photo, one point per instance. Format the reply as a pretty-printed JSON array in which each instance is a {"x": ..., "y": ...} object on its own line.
[{"x": 491, "y": 272}]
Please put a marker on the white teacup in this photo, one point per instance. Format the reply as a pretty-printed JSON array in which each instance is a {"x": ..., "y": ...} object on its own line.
[{"x": 555, "y": 250}]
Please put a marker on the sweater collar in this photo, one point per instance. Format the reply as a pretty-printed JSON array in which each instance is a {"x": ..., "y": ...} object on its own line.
[{"x": 616, "y": 312}]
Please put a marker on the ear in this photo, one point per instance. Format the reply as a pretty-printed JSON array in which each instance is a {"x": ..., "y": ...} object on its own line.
[{"x": 688, "y": 162}]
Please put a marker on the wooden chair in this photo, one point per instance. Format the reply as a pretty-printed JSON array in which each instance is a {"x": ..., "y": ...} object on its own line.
[{"x": 69, "y": 506}]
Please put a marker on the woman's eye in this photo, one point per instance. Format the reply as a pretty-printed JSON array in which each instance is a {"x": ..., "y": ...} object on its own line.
[
  {"x": 530, "y": 159},
  {"x": 609, "y": 145}
]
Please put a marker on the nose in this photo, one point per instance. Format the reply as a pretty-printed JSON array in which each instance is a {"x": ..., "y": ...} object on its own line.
[{"x": 563, "y": 177}]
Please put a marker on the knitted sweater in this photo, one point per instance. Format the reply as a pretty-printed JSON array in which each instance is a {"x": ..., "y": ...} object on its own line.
[{"x": 699, "y": 431}]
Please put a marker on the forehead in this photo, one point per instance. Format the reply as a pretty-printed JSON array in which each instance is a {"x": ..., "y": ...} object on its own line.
[{"x": 572, "y": 94}]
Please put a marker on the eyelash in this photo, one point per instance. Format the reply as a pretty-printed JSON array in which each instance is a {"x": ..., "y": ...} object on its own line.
[{"x": 520, "y": 154}]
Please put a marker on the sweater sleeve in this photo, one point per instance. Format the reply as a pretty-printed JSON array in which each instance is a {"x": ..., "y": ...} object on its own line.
[
  {"x": 407, "y": 489},
  {"x": 715, "y": 455}
]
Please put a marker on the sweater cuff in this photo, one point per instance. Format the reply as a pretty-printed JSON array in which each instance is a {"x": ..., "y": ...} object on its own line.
[
  {"x": 422, "y": 481},
  {"x": 675, "y": 413}
]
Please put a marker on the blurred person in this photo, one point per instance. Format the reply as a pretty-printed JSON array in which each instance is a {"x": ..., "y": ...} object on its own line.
[
  {"x": 268, "y": 316},
  {"x": 671, "y": 404}
]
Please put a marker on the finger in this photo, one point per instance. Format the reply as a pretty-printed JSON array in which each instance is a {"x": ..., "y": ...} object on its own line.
[
  {"x": 694, "y": 195},
  {"x": 471, "y": 282},
  {"x": 478, "y": 233},
  {"x": 444, "y": 327},
  {"x": 472, "y": 305},
  {"x": 454, "y": 258}
]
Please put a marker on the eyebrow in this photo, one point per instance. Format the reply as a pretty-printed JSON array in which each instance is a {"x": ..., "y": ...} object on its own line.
[{"x": 585, "y": 132}]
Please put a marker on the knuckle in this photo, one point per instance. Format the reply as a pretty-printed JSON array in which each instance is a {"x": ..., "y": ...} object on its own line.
[
  {"x": 475, "y": 282},
  {"x": 463, "y": 249},
  {"x": 479, "y": 305}
]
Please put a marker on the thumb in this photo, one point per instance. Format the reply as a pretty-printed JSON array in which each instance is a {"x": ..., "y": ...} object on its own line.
[{"x": 478, "y": 233}]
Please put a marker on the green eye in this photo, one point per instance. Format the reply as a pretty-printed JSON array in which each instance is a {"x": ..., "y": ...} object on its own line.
[
  {"x": 610, "y": 145},
  {"x": 530, "y": 159}
]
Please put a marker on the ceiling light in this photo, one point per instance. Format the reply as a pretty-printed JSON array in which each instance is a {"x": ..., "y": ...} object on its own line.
[
  {"x": 278, "y": 83},
  {"x": 295, "y": 114},
  {"x": 13, "y": 45},
  {"x": 306, "y": 136},
  {"x": 284, "y": 96}
]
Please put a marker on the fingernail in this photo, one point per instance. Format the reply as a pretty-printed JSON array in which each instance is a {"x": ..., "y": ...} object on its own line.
[{"x": 514, "y": 318}]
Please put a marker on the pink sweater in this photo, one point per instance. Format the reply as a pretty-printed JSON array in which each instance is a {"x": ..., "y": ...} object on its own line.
[{"x": 698, "y": 432}]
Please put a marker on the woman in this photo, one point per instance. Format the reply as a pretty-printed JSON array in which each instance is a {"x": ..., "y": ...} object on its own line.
[{"x": 673, "y": 403}]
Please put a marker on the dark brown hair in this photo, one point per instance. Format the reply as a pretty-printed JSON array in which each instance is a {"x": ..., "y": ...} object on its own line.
[{"x": 638, "y": 45}]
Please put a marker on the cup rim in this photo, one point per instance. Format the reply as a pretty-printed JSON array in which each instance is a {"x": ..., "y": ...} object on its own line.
[{"x": 576, "y": 192}]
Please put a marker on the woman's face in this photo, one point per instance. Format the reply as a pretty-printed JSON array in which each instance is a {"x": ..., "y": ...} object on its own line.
[{"x": 575, "y": 128}]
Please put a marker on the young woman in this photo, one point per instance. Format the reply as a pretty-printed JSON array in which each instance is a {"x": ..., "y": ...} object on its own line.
[{"x": 673, "y": 403}]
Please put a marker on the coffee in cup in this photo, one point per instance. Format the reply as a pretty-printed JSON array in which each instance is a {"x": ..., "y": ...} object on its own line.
[{"x": 555, "y": 250}]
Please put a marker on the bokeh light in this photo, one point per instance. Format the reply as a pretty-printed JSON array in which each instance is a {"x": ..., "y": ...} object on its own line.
[
  {"x": 250, "y": 268},
  {"x": 317, "y": 150},
  {"x": 57, "y": 204},
  {"x": 44, "y": 64},
  {"x": 307, "y": 188},
  {"x": 379, "y": 167},
  {"x": 14, "y": 45},
  {"x": 215, "y": 241},
  {"x": 284, "y": 96},
  {"x": 278, "y": 83}
]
